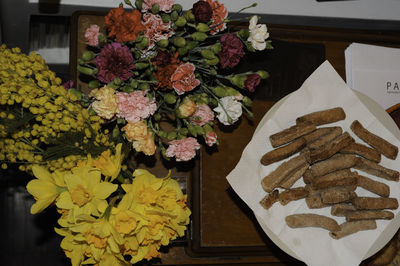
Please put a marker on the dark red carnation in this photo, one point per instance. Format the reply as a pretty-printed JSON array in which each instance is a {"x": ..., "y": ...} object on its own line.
[
  {"x": 252, "y": 81},
  {"x": 202, "y": 11},
  {"x": 231, "y": 51},
  {"x": 114, "y": 61},
  {"x": 162, "y": 58}
]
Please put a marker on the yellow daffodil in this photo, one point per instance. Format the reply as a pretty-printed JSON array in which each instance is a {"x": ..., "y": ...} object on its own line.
[
  {"x": 46, "y": 188},
  {"x": 73, "y": 249},
  {"x": 109, "y": 165}
]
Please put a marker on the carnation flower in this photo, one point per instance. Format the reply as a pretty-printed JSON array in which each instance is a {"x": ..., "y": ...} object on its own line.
[
  {"x": 141, "y": 137},
  {"x": 202, "y": 11},
  {"x": 135, "y": 106},
  {"x": 114, "y": 61},
  {"x": 68, "y": 85},
  {"x": 258, "y": 34},
  {"x": 252, "y": 81},
  {"x": 183, "y": 79},
  {"x": 125, "y": 26},
  {"x": 219, "y": 13},
  {"x": 231, "y": 51},
  {"x": 229, "y": 110},
  {"x": 165, "y": 5},
  {"x": 156, "y": 29},
  {"x": 187, "y": 108},
  {"x": 202, "y": 115},
  {"x": 106, "y": 105},
  {"x": 164, "y": 72},
  {"x": 92, "y": 35},
  {"x": 162, "y": 59},
  {"x": 183, "y": 149},
  {"x": 211, "y": 138}
]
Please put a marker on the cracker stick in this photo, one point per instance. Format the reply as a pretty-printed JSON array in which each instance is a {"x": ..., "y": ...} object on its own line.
[
  {"x": 316, "y": 134},
  {"x": 307, "y": 176},
  {"x": 371, "y": 203},
  {"x": 336, "y": 131},
  {"x": 315, "y": 202},
  {"x": 336, "y": 162},
  {"x": 363, "y": 151},
  {"x": 340, "y": 177},
  {"x": 291, "y": 133},
  {"x": 283, "y": 152},
  {"x": 341, "y": 209},
  {"x": 330, "y": 148},
  {"x": 270, "y": 199},
  {"x": 375, "y": 169},
  {"x": 349, "y": 228},
  {"x": 311, "y": 220},
  {"x": 324, "y": 116},
  {"x": 294, "y": 176},
  {"x": 376, "y": 187},
  {"x": 271, "y": 181},
  {"x": 381, "y": 145},
  {"x": 369, "y": 215},
  {"x": 292, "y": 194},
  {"x": 338, "y": 195}
]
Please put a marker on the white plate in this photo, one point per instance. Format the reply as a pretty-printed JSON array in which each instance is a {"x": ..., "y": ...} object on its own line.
[{"x": 388, "y": 122}]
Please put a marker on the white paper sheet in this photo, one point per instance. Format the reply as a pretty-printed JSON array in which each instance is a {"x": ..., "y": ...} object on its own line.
[{"x": 323, "y": 89}]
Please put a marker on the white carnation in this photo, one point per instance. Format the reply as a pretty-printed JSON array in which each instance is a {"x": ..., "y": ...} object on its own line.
[
  {"x": 258, "y": 34},
  {"x": 228, "y": 106}
]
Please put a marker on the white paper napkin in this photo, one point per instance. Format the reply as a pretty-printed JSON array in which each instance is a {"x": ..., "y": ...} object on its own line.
[{"x": 323, "y": 89}]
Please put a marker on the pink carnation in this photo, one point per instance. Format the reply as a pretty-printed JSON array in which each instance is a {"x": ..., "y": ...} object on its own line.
[
  {"x": 135, "y": 106},
  {"x": 202, "y": 115},
  {"x": 211, "y": 138},
  {"x": 165, "y": 5},
  {"x": 156, "y": 29},
  {"x": 183, "y": 149},
  {"x": 92, "y": 35}
]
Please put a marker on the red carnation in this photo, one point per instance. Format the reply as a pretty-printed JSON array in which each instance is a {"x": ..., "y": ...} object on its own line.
[
  {"x": 202, "y": 11},
  {"x": 231, "y": 51},
  {"x": 252, "y": 81}
]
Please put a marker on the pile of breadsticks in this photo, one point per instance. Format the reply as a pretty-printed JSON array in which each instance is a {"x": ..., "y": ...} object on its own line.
[{"x": 327, "y": 159}]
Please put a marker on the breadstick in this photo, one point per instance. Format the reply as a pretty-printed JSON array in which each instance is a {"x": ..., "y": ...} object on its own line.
[
  {"x": 283, "y": 152},
  {"x": 336, "y": 162},
  {"x": 330, "y": 148},
  {"x": 270, "y": 199},
  {"x": 376, "y": 187},
  {"x": 323, "y": 117},
  {"x": 375, "y": 169},
  {"x": 349, "y": 228},
  {"x": 336, "y": 131},
  {"x": 307, "y": 176},
  {"x": 311, "y": 220},
  {"x": 337, "y": 178},
  {"x": 333, "y": 196},
  {"x": 342, "y": 209},
  {"x": 371, "y": 203},
  {"x": 316, "y": 134},
  {"x": 369, "y": 215},
  {"x": 315, "y": 202},
  {"x": 294, "y": 176},
  {"x": 362, "y": 150},
  {"x": 271, "y": 181},
  {"x": 292, "y": 194},
  {"x": 291, "y": 133},
  {"x": 381, "y": 145}
]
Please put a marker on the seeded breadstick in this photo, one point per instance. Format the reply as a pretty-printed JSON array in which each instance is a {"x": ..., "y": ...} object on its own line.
[
  {"x": 271, "y": 181},
  {"x": 369, "y": 215},
  {"x": 337, "y": 178},
  {"x": 381, "y": 145},
  {"x": 292, "y": 194},
  {"x": 307, "y": 176},
  {"x": 315, "y": 202},
  {"x": 311, "y": 220},
  {"x": 342, "y": 209},
  {"x": 336, "y": 162},
  {"x": 289, "y": 134},
  {"x": 324, "y": 116},
  {"x": 283, "y": 152},
  {"x": 333, "y": 196},
  {"x": 349, "y": 228},
  {"x": 336, "y": 131},
  {"x": 330, "y": 148},
  {"x": 294, "y": 176},
  {"x": 313, "y": 191},
  {"x": 375, "y": 169},
  {"x": 362, "y": 150},
  {"x": 270, "y": 199},
  {"x": 319, "y": 132},
  {"x": 376, "y": 187},
  {"x": 371, "y": 203}
]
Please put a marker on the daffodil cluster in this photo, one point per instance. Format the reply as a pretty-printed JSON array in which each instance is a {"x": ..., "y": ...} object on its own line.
[
  {"x": 104, "y": 222},
  {"x": 36, "y": 111}
]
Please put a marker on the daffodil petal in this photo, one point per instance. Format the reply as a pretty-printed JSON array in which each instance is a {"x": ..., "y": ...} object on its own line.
[
  {"x": 40, "y": 205},
  {"x": 104, "y": 189},
  {"x": 42, "y": 173},
  {"x": 42, "y": 189},
  {"x": 64, "y": 201}
]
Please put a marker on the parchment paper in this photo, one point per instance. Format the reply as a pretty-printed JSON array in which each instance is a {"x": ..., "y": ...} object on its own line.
[{"x": 323, "y": 89}]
